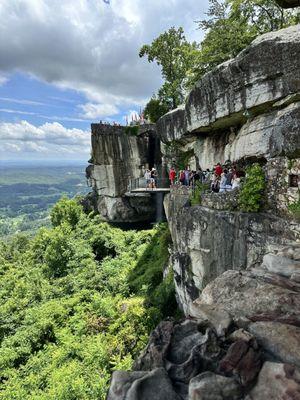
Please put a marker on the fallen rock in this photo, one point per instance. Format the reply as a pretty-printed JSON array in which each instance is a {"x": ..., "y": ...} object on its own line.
[
  {"x": 216, "y": 317},
  {"x": 141, "y": 385},
  {"x": 243, "y": 294},
  {"x": 242, "y": 361},
  {"x": 281, "y": 265},
  {"x": 209, "y": 386},
  {"x": 241, "y": 334},
  {"x": 280, "y": 340},
  {"x": 154, "y": 354},
  {"x": 203, "y": 355},
  {"x": 277, "y": 382}
]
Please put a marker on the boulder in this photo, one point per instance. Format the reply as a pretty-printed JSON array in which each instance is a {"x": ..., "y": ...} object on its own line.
[
  {"x": 281, "y": 265},
  {"x": 260, "y": 75},
  {"x": 172, "y": 126},
  {"x": 209, "y": 386},
  {"x": 276, "y": 381},
  {"x": 243, "y": 294},
  {"x": 141, "y": 385},
  {"x": 212, "y": 316},
  {"x": 243, "y": 360},
  {"x": 282, "y": 341}
]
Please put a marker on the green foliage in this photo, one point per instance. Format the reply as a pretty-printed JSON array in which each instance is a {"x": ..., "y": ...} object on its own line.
[
  {"x": 70, "y": 311},
  {"x": 252, "y": 192},
  {"x": 132, "y": 130},
  {"x": 196, "y": 196},
  {"x": 231, "y": 26},
  {"x": 67, "y": 211},
  {"x": 155, "y": 109},
  {"x": 294, "y": 208},
  {"x": 175, "y": 55},
  {"x": 147, "y": 277}
]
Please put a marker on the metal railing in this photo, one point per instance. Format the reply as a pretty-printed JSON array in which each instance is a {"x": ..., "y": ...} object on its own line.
[{"x": 141, "y": 183}]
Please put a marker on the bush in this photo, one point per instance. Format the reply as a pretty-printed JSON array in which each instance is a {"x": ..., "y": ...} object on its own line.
[
  {"x": 294, "y": 208},
  {"x": 200, "y": 188},
  {"x": 66, "y": 210},
  {"x": 252, "y": 192}
]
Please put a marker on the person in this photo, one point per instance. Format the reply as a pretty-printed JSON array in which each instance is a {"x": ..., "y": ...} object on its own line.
[
  {"x": 181, "y": 177},
  {"x": 147, "y": 177},
  {"x": 215, "y": 183},
  {"x": 172, "y": 176},
  {"x": 229, "y": 178},
  {"x": 218, "y": 169},
  {"x": 187, "y": 176},
  {"x": 223, "y": 181},
  {"x": 153, "y": 178},
  {"x": 236, "y": 181}
]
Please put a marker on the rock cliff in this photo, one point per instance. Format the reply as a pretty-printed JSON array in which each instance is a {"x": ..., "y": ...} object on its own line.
[
  {"x": 119, "y": 155},
  {"x": 237, "y": 274}
]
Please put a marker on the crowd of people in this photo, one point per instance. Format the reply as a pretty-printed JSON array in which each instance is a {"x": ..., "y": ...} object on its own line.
[{"x": 220, "y": 179}]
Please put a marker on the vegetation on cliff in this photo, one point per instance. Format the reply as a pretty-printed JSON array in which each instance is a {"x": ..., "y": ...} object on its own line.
[
  {"x": 230, "y": 26},
  {"x": 76, "y": 302}
]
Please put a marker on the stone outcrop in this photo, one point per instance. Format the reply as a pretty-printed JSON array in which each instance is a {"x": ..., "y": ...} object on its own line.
[
  {"x": 261, "y": 75},
  {"x": 207, "y": 242},
  {"x": 119, "y": 156},
  {"x": 247, "y": 109},
  {"x": 242, "y": 342}
]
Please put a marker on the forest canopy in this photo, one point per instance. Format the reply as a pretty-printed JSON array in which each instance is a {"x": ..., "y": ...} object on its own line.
[{"x": 78, "y": 301}]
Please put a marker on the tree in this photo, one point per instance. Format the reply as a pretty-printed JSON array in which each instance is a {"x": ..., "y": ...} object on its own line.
[
  {"x": 155, "y": 109},
  {"x": 174, "y": 54},
  {"x": 232, "y": 25},
  {"x": 66, "y": 210}
]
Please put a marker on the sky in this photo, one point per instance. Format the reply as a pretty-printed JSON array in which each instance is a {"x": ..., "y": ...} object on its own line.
[{"x": 67, "y": 63}]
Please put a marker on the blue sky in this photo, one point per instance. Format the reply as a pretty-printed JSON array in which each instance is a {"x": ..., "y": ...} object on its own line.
[{"x": 67, "y": 63}]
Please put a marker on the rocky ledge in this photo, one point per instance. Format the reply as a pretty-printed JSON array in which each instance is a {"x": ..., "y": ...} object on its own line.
[{"x": 241, "y": 341}]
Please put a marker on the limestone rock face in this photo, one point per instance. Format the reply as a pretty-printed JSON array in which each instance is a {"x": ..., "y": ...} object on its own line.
[
  {"x": 118, "y": 156},
  {"x": 263, "y": 73},
  {"x": 208, "y": 242}
]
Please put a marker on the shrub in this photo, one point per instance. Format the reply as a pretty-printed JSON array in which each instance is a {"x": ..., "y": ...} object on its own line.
[
  {"x": 294, "y": 208},
  {"x": 252, "y": 192},
  {"x": 66, "y": 210},
  {"x": 132, "y": 130},
  {"x": 200, "y": 188}
]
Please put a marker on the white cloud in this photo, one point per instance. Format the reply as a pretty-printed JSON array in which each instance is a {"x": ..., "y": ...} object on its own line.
[
  {"x": 22, "y": 101},
  {"x": 96, "y": 111},
  {"x": 90, "y": 46},
  {"x": 49, "y": 138}
]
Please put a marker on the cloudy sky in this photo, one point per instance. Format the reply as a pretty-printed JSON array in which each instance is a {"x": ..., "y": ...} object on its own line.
[{"x": 67, "y": 63}]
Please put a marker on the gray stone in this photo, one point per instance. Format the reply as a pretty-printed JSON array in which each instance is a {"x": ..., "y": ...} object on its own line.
[
  {"x": 280, "y": 340},
  {"x": 260, "y": 75},
  {"x": 216, "y": 317},
  {"x": 207, "y": 242},
  {"x": 209, "y": 386},
  {"x": 277, "y": 381},
  {"x": 141, "y": 385},
  {"x": 280, "y": 265},
  {"x": 242, "y": 294}
]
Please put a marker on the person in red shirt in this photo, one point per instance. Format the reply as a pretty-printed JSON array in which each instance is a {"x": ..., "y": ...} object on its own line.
[
  {"x": 218, "y": 169},
  {"x": 172, "y": 176}
]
